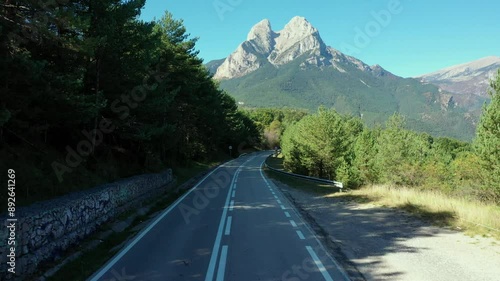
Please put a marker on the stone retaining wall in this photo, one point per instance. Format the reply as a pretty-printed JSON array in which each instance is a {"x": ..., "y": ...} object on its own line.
[{"x": 45, "y": 230}]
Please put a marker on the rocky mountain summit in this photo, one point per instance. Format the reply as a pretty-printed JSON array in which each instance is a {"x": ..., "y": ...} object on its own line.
[
  {"x": 298, "y": 38},
  {"x": 294, "y": 68}
]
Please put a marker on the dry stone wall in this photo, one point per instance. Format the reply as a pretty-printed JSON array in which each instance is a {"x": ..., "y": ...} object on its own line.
[{"x": 45, "y": 230}]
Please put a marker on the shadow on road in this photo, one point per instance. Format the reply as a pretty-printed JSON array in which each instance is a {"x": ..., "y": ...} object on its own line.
[{"x": 366, "y": 235}]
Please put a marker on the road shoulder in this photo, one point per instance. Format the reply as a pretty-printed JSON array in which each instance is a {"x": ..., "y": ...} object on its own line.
[{"x": 389, "y": 244}]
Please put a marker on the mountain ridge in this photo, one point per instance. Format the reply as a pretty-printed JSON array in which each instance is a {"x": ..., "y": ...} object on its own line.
[
  {"x": 297, "y": 38},
  {"x": 470, "y": 78},
  {"x": 302, "y": 71}
]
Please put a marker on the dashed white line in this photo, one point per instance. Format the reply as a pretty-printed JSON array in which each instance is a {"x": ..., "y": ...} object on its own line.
[
  {"x": 222, "y": 264},
  {"x": 292, "y": 222},
  {"x": 279, "y": 201},
  {"x": 218, "y": 238},
  {"x": 301, "y": 236},
  {"x": 342, "y": 271},
  {"x": 231, "y": 206},
  {"x": 319, "y": 264},
  {"x": 228, "y": 225},
  {"x": 234, "y": 193},
  {"x": 275, "y": 197},
  {"x": 282, "y": 207},
  {"x": 110, "y": 264}
]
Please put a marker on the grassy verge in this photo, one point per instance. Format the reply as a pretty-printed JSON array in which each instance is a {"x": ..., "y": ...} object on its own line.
[
  {"x": 475, "y": 218},
  {"x": 91, "y": 260},
  {"x": 472, "y": 217}
]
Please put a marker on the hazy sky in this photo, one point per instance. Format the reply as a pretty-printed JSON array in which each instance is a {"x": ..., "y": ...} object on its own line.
[{"x": 406, "y": 37}]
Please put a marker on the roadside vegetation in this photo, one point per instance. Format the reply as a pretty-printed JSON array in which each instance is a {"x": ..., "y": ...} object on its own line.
[
  {"x": 334, "y": 146},
  {"x": 90, "y": 94},
  {"x": 460, "y": 213},
  {"x": 446, "y": 180}
]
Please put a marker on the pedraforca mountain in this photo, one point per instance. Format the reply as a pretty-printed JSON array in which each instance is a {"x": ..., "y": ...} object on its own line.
[{"x": 297, "y": 39}]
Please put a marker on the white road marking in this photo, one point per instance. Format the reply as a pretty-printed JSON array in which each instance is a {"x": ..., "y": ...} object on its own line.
[
  {"x": 228, "y": 225},
  {"x": 215, "y": 251},
  {"x": 234, "y": 193},
  {"x": 279, "y": 201},
  {"x": 275, "y": 197},
  {"x": 342, "y": 271},
  {"x": 301, "y": 236},
  {"x": 292, "y": 222},
  {"x": 319, "y": 264},
  {"x": 111, "y": 263},
  {"x": 222, "y": 264},
  {"x": 282, "y": 207},
  {"x": 231, "y": 206}
]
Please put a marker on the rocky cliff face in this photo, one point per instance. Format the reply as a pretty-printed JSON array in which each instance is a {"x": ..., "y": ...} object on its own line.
[{"x": 298, "y": 38}]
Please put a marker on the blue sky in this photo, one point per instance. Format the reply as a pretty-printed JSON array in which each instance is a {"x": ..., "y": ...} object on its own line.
[{"x": 406, "y": 37}]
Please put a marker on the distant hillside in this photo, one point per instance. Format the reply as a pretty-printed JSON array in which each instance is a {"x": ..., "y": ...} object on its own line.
[
  {"x": 470, "y": 78},
  {"x": 213, "y": 65},
  {"x": 295, "y": 68}
]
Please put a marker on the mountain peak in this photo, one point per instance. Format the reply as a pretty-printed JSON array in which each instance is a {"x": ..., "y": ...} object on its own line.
[
  {"x": 297, "y": 38},
  {"x": 263, "y": 28},
  {"x": 294, "y": 31},
  {"x": 300, "y": 25},
  {"x": 263, "y": 46}
]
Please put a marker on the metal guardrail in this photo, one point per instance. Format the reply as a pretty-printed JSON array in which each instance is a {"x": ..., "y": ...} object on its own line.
[{"x": 335, "y": 183}]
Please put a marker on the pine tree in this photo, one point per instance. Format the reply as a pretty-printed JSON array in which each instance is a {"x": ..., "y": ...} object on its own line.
[{"x": 488, "y": 140}]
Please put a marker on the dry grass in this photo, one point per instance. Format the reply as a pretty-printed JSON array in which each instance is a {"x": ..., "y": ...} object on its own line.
[
  {"x": 475, "y": 218},
  {"x": 472, "y": 217}
]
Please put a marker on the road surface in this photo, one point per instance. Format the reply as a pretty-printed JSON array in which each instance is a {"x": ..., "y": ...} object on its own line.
[
  {"x": 233, "y": 225},
  {"x": 389, "y": 244}
]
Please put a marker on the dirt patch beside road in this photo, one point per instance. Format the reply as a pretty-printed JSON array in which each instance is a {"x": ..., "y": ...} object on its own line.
[{"x": 389, "y": 244}]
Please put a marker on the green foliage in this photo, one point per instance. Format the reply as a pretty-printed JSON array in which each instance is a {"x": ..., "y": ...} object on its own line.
[
  {"x": 67, "y": 67},
  {"x": 321, "y": 145},
  {"x": 273, "y": 122},
  {"x": 487, "y": 142},
  {"x": 401, "y": 153},
  {"x": 365, "y": 152},
  {"x": 330, "y": 145}
]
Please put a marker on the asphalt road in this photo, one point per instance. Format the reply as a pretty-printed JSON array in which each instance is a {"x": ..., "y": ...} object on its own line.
[{"x": 233, "y": 225}]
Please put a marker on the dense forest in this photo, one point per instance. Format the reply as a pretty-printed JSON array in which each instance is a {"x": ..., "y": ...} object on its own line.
[
  {"x": 334, "y": 146},
  {"x": 89, "y": 93}
]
